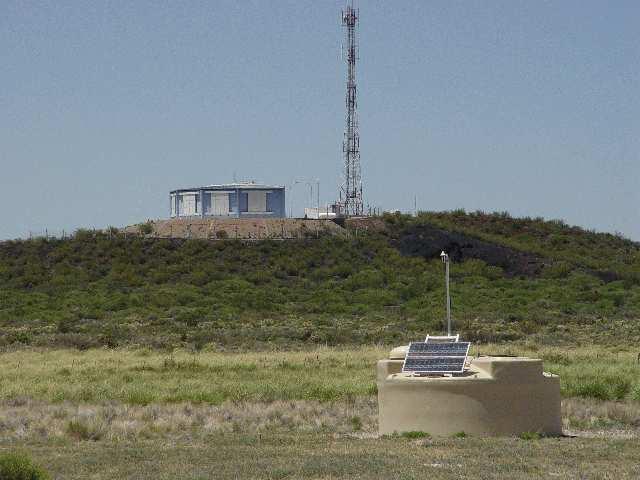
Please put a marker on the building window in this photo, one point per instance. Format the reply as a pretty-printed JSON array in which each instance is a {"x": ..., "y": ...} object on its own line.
[
  {"x": 220, "y": 204},
  {"x": 188, "y": 204},
  {"x": 269, "y": 202},
  {"x": 257, "y": 202}
]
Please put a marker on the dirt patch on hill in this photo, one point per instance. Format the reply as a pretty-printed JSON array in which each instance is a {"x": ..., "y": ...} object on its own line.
[
  {"x": 370, "y": 224},
  {"x": 241, "y": 228},
  {"x": 428, "y": 241}
]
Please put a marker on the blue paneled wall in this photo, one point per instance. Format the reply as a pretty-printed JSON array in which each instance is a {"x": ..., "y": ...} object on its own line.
[{"x": 238, "y": 201}]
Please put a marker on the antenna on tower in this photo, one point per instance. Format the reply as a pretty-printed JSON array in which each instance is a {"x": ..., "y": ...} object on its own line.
[{"x": 350, "y": 201}]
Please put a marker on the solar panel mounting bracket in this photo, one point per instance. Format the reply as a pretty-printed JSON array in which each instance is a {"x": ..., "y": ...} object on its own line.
[{"x": 442, "y": 338}]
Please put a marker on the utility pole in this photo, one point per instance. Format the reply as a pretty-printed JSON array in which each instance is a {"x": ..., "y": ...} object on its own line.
[
  {"x": 350, "y": 201},
  {"x": 445, "y": 260}
]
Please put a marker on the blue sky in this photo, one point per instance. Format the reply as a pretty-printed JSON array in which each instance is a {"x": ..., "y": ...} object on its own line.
[{"x": 528, "y": 107}]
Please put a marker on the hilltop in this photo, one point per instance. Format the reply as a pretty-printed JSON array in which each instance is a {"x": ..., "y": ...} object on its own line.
[
  {"x": 234, "y": 228},
  {"x": 368, "y": 280}
]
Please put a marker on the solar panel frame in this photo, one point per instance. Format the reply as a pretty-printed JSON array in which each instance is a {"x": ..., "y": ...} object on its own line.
[{"x": 442, "y": 338}]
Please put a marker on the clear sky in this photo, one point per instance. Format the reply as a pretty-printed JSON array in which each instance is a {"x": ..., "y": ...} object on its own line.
[{"x": 532, "y": 107}]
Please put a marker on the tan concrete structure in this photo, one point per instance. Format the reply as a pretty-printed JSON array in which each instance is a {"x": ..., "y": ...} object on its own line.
[{"x": 496, "y": 396}]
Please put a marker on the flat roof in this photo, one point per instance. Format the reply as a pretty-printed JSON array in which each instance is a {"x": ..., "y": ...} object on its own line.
[{"x": 231, "y": 186}]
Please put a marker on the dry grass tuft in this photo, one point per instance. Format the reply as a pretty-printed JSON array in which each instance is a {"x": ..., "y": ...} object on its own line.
[
  {"x": 31, "y": 419},
  {"x": 590, "y": 414}
]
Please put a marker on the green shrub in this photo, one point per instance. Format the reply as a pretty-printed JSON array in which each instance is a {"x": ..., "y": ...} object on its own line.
[
  {"x": 635, "y": 392},
  {"x": 356, "y": 423},
  {"x": 14, "y": 466},
  {"x": 145, "y": 228},
  {"x": 620, "y": 388},
  {"x": 530, "y": 436},
  {"x": 557, "y": 270},
  {"x": 83, "y": 234},
  {"x": 20, "y": 337},
  {"x": 607, "y": 387},
  {"x": 592, "y": 388},
  {"x": 64, "y": 325}
]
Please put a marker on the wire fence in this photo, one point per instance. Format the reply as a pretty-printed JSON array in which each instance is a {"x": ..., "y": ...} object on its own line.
[{"x": 212, "y": 231}]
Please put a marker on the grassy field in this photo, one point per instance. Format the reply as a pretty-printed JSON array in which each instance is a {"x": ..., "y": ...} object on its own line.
[
  {"x": 142, "y": 376},
  {"x": 312, "y": 456},
  {"x": 139, "y": 413}
]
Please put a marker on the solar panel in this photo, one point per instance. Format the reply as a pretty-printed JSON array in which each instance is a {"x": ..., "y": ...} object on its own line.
[
  {"x": 423, "y": 357},
  {"x": 420, "y": 349},
  {"x": 434, "y": 365}
]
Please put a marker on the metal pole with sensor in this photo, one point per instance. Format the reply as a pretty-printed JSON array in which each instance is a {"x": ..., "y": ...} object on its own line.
[{"x": 445, "y": 260}]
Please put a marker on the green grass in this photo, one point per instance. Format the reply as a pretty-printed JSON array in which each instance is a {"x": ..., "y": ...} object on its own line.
[
  {"x": 142, "y": 376},
  {"x": 16, "y": 466}
]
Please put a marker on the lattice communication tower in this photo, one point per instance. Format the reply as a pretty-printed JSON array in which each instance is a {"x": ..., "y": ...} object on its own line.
[{"x": 351, "y": 190}]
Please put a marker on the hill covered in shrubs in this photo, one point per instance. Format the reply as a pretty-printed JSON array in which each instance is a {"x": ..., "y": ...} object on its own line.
[{"x": 380, "y": 281}]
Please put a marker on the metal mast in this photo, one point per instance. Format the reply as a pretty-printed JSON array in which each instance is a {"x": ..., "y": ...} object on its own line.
[{"x": 351, "y": 190}]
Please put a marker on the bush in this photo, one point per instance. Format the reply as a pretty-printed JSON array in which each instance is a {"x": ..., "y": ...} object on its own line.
[
  {"x": 14, "y": 466},
  {"x": 592, "y": 388},
  {"x": 557, "y": 270},
  {"x": 145, "y": 228},
  {"x": 356, "y": 423},
  {"x": 20, "y": 337},
  {"x": 64, "y": 325},
  {"x": 635, "y": 392}
]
